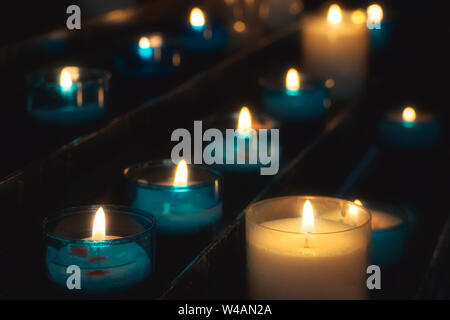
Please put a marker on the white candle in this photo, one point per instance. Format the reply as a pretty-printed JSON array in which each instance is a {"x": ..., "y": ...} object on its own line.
[
  {"x": 315, "y": 256},
  {"x": 334, "y": 46}
]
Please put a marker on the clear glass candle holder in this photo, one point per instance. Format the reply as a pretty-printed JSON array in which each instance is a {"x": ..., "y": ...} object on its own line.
[
  {"x": 69, "y": 96},
  {"x": 307, "y": 247},
  {"x": 179, "y": 210},
  {"x": 122, "y": 260}
]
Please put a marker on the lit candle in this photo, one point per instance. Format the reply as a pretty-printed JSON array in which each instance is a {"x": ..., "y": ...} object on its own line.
[
  {"x": 335, "y": 47},
  {"x": 297, "y": 98},
  {"x": 152, "y": 55},
  {"x": 108, "y": 262},
  {"x": 389, "y": 234},
  {"x": 183, "y": 200},
  {"x": 410, "y": 129},
  {"x": 378, "y": 27},
  {"x": 202, "y": 35},
  {"x": 70, "y": 96},
  {"x": 301, "y": 248},
  {"x": 241, "y": 152}
]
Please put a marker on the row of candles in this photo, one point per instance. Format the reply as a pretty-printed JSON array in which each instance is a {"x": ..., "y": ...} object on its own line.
[{"x": 297, "y": 247}]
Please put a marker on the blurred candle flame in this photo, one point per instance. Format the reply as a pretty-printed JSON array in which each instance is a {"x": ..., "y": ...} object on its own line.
[
  {"x": 292, "y": 80},
  {"x": 334, "y": 14},
  {"x": 144, "y": 43},
  {"x": 354, "y": 209},
  {"x": 374, "y": 14},
  {"x": 181, "y": 174},
  {"x": 358, "y": 16},
  {"x": 65, "y": 80},
  {"x": 308, "y": 217},
  {"x": 245, "y": 121},
  {"x": 99, "y": 226},
  {"x": 197, "y": 18},
  {"x": 409, "y": 114}
]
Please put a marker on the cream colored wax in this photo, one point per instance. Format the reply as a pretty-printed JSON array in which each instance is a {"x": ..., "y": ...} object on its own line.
[
  {"x": 330, "y": 264},
  {"x": 338, "y": 51}
]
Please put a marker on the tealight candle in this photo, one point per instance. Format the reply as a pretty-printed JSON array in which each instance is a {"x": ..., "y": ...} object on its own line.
[
  {"x": 389, "y": 233},
  {"x": 241, "y": 151},
  {"x": 299, "y": 98},
  {"x": 184, "y": 201},
  {"x": 111, "y": 259},
  {"x": 410, "y": 129},
  {"x": 202, "y": 35},
  {"x": 378, "y": 28},
  {"x": 69, "y": 96},
  {"x": 337, "y": 48},
  {"x": 150, "y": 56},
  {"x": 302, "y": 248}
]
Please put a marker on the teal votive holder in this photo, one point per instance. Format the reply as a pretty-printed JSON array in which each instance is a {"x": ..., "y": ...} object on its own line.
[
  {"x": 422, "y": 133},
  {"x": 179, "y": 210},
  {"x": 67, "y": 97},
  {"x": 309, "y": 102},
  {"x": 119, "y": 261}
]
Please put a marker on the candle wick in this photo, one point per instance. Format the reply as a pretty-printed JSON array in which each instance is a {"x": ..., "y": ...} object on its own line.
[{"x": 306, "y": 240}]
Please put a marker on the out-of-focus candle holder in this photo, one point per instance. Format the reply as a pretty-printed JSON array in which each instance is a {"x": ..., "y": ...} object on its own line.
[
  {"x": 179, "y": 210},
  {"x": 309, "y": 102},
  {"x": 122, "y": 261},
  {"x": 202, "y": 35},
  {"x": 420, "y": 132},
  {"x": 379, "y": 27},
  {"x": 151, "y": 55},
  {"x": 329, "y": 262},
  {"x": 69, "y": 96}
]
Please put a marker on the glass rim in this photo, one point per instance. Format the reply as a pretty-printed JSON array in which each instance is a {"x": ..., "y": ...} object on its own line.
[
  {"x": 152, "y": 164},
  {"x": 70, "y": 211},
  {"x": 306, "y": 197}
]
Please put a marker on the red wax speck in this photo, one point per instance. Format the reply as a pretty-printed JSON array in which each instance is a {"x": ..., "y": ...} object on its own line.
[
  {"x": 96, "y": 273},
  {"x": 96, "y": 259},
  {"x": 81, "y": 252}
]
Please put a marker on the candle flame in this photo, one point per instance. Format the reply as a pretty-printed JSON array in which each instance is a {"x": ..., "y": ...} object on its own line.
[
  {"x": 334, "y": 14},
  {"x": 144, "y": 43},
  {"x": 99, "y": 226},
  {"x": 245, "y": 121},
  {"x": 353, "y": 210},
  {"x": 358, "y": 17},
  {"x": 65, "y": 79},
  {"x": 308, "y": 217},
  {"x": 181, "y": 174},
  {"x": 292, "y": 80},
  {"x": 197, "y": 18},
  {"x": 374, "y": 14},
  {"x": 409, "y": 114}
]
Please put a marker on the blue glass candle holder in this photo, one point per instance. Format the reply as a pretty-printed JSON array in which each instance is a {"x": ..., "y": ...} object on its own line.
[
  {"x": 422, "y": 133},
  {"x": 152, "y": 55},
  {"x": 202, "y": 35},
  {"x": 309, "y": 102},
  {"x": 207, "y": 39},
  {"x": 380, "y": 35},
  {"x": 69, "y": 96},
  {"x": 179, "y": 210},
  {"x": 124, "y": 259}
]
